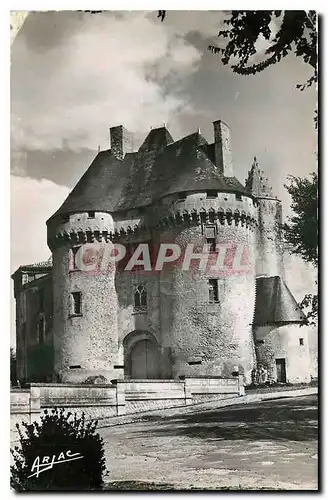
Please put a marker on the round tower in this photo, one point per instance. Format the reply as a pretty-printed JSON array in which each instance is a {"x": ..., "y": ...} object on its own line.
[
  {"x": 85, "y": 301},
  {"x": 269, "y": 260},
  {"x": 207, "y": 302}
]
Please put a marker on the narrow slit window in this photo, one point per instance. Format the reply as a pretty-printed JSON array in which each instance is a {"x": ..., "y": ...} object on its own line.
[
  {"x": 76, "y": 303},
  {"x": 213, "y": 292},
  {"x": 301, "y": 341},
  {"x": 41, "y": 330},
  {"x": 41, "y": 300},
  {"x": 211, "y": 244},
  {"x": 74, "y": 257},
  {"x": 140, "y": 298}
]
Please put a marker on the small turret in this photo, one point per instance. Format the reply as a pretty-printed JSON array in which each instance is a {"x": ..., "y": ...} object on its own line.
[{"x": 257, "y": 183}]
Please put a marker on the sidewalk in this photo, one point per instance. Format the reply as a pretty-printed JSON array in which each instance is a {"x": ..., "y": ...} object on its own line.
[{"x": 210, "y": 405}]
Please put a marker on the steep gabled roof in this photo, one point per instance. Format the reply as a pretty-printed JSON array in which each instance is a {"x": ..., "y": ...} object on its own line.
[
  {"x": 275, "y": 303},
  {"x": 160, "y": 167},
  {"x": 156, "y": 139}
]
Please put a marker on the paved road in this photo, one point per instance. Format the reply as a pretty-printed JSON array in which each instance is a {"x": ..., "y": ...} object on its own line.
[{"x": 267, "y": 445}]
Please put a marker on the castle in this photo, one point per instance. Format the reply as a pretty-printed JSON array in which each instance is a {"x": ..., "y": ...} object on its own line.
[{"x": 162, "y": 323}]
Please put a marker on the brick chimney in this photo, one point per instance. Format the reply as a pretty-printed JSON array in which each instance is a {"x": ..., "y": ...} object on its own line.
[
  {"x": 121, "y": 141},
  {"x": 222, "y": 141}
]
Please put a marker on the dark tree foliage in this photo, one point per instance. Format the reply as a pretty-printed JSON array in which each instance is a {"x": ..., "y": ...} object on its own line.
[
  {"x": 310, "y": 303},
  {"x": 161, "y": 14},
  {"x": 297, "y": 34},
  {"x": 301, "y": 231},
  {"x": 56, "y": 433},
  {"x": 13, "y": 368}
]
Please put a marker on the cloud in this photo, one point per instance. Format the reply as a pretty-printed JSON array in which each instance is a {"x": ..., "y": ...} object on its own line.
[
  {"x": 109, "y": 70},
  {"x": 300, "y": 276},
  {"x": 32, "y": 203}
]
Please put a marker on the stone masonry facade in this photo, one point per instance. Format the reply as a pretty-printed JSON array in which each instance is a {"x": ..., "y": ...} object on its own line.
[{"x": 85, "y": 327}]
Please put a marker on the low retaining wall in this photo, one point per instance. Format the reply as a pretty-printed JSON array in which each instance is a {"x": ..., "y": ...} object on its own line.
[
  {"x": 121, "y": 397},
  {"x": 24, "y": 407}
]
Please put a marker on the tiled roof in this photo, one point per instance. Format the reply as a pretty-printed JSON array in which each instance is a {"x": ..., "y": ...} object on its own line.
[
  {"x": 160, "y": 167},
  {"x": 275, "y": 303},
  {"x": 45, "y": 264}
]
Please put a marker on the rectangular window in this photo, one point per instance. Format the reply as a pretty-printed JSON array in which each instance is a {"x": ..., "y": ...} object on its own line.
[
  {"x": 211, "y": 194},
  {"x": 210, "y": 231},
  {"x": 238, "y": 196},
  {"x": 140, "y": 298},
  {"x": 91, "y": 215},
  {"x": 213, "y": 292},
  {"x": 41, "y": 330},
  {"x": 301, "y": 341},
  {"x": 210, "y": 235},
  {"x": 76, "y": 303}
]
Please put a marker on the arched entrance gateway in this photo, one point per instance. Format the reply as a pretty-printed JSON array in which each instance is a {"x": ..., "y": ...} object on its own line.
[{"x": 141, "y": 356}]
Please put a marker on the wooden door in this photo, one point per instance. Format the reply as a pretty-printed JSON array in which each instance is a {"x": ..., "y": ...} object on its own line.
[
  {"x": 281, "y": 370},
  {"x": 144, "y": 360}
]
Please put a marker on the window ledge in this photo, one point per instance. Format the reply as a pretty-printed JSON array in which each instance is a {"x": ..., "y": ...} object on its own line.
[
  {"x": 75, "y": 315},
  {"x": 140, "y": 311}
]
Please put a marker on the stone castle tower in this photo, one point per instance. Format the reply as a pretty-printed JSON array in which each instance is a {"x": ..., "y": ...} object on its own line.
[{"x": 208, "y": 313}]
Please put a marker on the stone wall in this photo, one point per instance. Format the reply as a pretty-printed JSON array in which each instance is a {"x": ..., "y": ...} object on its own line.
[
  {"x": 174, "y": 293},
  {"x": 219, "y": 335},
  {"x": 87, "y": 340},
  {"x": 269, "y": 259},
  {"x": 34, "y": 348},
  {"x": 119, "y": 398},
  {"x": 284, "y": 343},
  {"x": 24, "y": 407}
]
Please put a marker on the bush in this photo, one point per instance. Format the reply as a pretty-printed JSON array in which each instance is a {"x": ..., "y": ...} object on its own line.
[{"x": 58, "y": 436}]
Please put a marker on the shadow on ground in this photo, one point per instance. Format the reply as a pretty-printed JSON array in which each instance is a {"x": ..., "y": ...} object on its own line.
[
  {"x": 145, "y": 486},
  {"x": 292, "y": 419}
]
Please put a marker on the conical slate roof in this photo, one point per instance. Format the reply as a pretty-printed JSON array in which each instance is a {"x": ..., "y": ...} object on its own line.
[
  {"x": 275, "y": 303},
  {"x": 158, "y": 168}
]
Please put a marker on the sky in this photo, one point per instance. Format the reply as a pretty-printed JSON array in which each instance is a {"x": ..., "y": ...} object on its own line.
[{"x": 74, "y": 75}]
